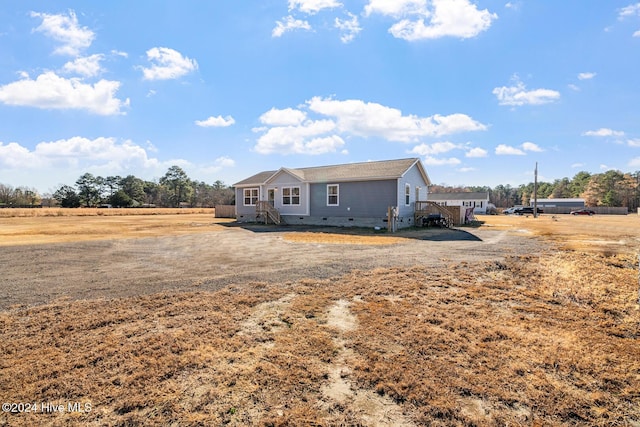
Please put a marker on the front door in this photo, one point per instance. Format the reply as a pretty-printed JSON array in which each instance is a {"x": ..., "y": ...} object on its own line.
[{"x": 271, "y": 196}]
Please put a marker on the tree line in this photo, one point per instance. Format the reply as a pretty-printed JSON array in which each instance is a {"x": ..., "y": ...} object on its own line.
[
  {"x": 612, "y": 188},
  {"x": 173, "y": 189}
]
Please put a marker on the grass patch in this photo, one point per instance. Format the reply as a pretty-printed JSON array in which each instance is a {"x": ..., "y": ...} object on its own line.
[{"x": 550, "y": 339}]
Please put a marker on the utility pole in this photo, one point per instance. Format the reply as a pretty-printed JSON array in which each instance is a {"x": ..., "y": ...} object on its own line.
[{"x": 535, "y": 192}]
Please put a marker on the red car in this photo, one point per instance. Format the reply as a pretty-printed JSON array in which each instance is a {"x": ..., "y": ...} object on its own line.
[{"x": 583, "y": 212}]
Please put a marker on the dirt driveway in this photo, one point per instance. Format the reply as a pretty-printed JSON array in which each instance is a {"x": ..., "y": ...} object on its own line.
[{"x": 217, "y": 255}]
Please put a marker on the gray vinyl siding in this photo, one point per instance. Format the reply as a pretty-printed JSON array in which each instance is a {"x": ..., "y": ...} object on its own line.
[
  {"x": 300, "y": 209},
  {"x": 356, "y": 199},
  {"x": 414, "y": 179},
  {"x": 241, "y": 209}
]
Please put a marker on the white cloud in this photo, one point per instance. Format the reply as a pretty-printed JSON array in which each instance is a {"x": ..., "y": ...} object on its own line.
[
  {"x": 285, "y": 117},
  {"x": 167, "y": 64},
  {"x": 433, "y": 19},
  {"x": 216, "y": 122},
  {"x": 634, "y": 142},
  {"x": 292, "y": 131},
  {"x": 631, "y": 10},
  {"x": 573, "y": 87},
  {"x": 75, "y": 152},
  {"x": 603, "y": 132},
  {"x": 371, "y": 119},
  {"x": 577, "y": 165},
  {"x": 328, "y": 144},
  {"x": 476, "y": 152},
  {"x": 50, "y": 91},
  {"x": 513, "y": 5},
  {"x": 14, "y": 156},
  {"x": 349, "y": 27},
  {"x": 65, "y": 30},
  {"x": 218, "y": 164},
  {"x": 309, "y": 137},
  {"x": 466, "y": 169},
  {"x": 225, "y": 162},
  {"x": 530, "y": 146},
  {"x": 88, "y": 66},
  {"x": 506, "y": 150},
  {"x": 586, "y": 76},
  {"x": 519, "y": 95},
  {"x": 635, "y": 162},
  {"x": 150, "y": 147},
  {"x": 453, "y": 18},
  {"x": 396, "y": 8},
  {"x": 312, "y": 6},
  {"x": 435, "y": 148},
  {"x": 67, "y": 159},
  {"x": 433, "y": 161},
  {"x": 289, "y": 24}
]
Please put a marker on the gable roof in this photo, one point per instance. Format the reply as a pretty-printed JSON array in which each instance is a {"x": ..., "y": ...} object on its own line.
[
  {"x": 257, "y": 179},
  {"x": 459, "y": 196},
  {"x": 364, "y": 171}
]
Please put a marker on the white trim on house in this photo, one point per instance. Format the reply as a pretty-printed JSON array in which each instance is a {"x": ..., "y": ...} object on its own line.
[
  {"x": 407, "y": 194},
  {"x": 291, "y": 196},
  {"x": 479, "y": 201},
  {"x": 253, "y": 200},
  {"x": 336, "y": 195}
]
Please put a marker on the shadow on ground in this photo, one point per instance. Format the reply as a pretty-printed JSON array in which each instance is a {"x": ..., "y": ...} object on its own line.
[
  {"x": 435, "y": 234},
  {"x": 449, "y": 235}
]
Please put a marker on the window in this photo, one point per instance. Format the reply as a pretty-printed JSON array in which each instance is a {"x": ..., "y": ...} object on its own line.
[
  {"x": 407, "y": 194},
  {"x": 333, "y": 195},
  {"x": 290, "y": 195},
  {"x": 251, "y": 196}
]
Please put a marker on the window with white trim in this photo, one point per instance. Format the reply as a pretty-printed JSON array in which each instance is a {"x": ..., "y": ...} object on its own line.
[
  {"x": 291, "y": 195},
  {"x": 251, "y": 196},
  {"x": 333, "y": 195},
  {"x": 407, "y": 194}
]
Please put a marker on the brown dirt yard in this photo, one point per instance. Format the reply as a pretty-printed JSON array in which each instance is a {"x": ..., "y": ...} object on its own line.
[{"x": 191, "y": 320}]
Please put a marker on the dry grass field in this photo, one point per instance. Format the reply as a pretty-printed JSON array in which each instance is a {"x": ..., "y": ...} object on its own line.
[
  {"x": 545, "y": 338},
  {"x": 74, "y": 212},
  {"x": 57, "y": 225}
]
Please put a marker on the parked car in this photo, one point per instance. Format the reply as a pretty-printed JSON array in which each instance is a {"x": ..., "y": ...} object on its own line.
[
  {"x": 583, "y": 212},
  {"x": 511, "y": 210},
  {"x": 526, "y": 210}
]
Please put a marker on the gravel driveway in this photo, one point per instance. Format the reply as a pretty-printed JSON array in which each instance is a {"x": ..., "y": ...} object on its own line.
[{"x": 37, "y": 274}]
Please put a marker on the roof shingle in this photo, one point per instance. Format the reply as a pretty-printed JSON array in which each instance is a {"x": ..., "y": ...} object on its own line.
[{"x": 364, "y": 171}]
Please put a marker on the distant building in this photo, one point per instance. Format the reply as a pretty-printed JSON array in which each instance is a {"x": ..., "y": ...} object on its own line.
[
  {"x": 479, "y": 201},
  {"x": 560, "y": 203}
]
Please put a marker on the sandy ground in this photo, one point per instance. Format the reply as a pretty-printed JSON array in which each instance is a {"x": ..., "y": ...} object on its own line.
[
  {"x": 99, "y": 257},
  {"x": 519, "y": 321},
  {"x": 45, "y": 258}
]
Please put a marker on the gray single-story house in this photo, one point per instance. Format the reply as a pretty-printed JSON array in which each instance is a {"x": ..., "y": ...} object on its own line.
[
  {"x": 479, "y": 201},
  {"x": 354, "y": 194}
]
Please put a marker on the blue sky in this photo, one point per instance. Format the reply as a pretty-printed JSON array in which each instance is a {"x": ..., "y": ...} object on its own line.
[{"x": 479, "y": 90}]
